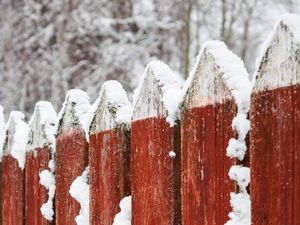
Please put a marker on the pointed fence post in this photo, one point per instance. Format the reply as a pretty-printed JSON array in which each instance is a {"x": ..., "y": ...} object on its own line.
[
  {"x": 208, "y": 110},
  {"x": 13, "y": 163},
  {"x": 2, "y": 138},
  {"x": 109, "y": 153},
  {"x": 71, "y": 155},
  {"x": 41, "y": 143},
  {"x": 155, "y": 148},
  {"x": 275, "y": 128}
]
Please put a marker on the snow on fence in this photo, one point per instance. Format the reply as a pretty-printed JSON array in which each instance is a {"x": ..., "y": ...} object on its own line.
[
  {"x": 217, "y": 85},
  {"x": 178, "y": 156},
  {"x": 109, "y": 153},
  {"x": 275, "y": 128},
  {"x": 71, "y": 154},
  {"x": 13, "y": 163},
  {"x": 155, "y": 148},
  {"x": 39, "y": 148}
]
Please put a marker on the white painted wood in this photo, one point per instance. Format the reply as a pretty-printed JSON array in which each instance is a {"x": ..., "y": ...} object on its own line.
[
  {"x": 42, "y": 127},
  {"x": 112, "y": 108},
  {"x": 73, "y": 112},
  {"x": 218, "y": 75},
  {"x": 279, "y": 65},
  {"x": 158, "y": 94}
]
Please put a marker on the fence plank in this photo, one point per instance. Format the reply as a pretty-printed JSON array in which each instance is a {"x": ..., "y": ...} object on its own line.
[
  {"x": 275, "y": 129},
  {"x": 40, "y": 144},
  {"x": 71, "y": 155},
  {"x": 155, "y": 170},
  {"x": 2, "y": 137},
  {"x": 12, "y": 170},
  {"x": 208, "y": 110},
  {"x": 109, "y": 153}
]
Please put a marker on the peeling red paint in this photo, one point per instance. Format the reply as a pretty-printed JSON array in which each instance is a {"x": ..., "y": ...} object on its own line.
[
  {"x": 13, "y": 192},
  {"x": 109, "y": 174},
  {"x": 35, "y": 194},
  {"x": 155, "y": 175},
  {"x": 71, "y": 158},
  {"x": 206, "y": 186},
  {"x": 275, "y": 156}
]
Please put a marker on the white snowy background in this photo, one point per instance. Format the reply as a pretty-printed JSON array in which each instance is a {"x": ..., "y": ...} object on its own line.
[{"x": 49, "y": 47}]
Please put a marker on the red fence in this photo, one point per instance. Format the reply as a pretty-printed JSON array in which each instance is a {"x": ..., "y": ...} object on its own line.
[
  {"x": 38, "y": 155},
  {"x": 275, "y": 131},
  {"x": 109, "y": 154},
  {"x": 71, "y": 155},
  {"x": 155, "y": 172},
  {"x": 180, "y": 151},
  {"x": 205, "y": 130},
  {"x": 13, "y": 161}
]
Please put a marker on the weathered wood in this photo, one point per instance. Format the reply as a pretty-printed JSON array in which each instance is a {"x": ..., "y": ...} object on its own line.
[
  {"x": 12, "y": 170},
  {"x": 38, "y": 155},
  {"x": 275, "y": 129},
  {"x": 155, "y": 170},
  {"x": 206, "y": 127},
  {"x": 2, "y": 137},
  {"x": 109, "y": 153},
  {"x": 13, "y": 192},
  {"x": 35, "y": 194},
  {"x": 71, "y": 155}
]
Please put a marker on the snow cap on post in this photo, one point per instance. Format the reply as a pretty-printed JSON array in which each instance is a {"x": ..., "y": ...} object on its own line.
[
  {"x": 16, "y": 137},
  {"x": 73, "y": 112},
  {"x": 158, "y": 94},
  {"x": 276, "y": 65},
  {"x": 218, "y": 75},
  {"x": 111, "y": 108},
  {"x": 2, "y": 131},
  {"x": 42, "y": 126}
]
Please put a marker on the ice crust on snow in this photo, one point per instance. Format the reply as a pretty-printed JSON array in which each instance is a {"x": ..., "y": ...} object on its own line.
[
  {"x": 74, "y": 111},
  {"x": 16, "y": 137},
  {"x": 47, "y": 179},
  {"x": 79, "y": 190},
  {"x": 42, "y": 126},
  {"x": 158, "y": 93},
  {"x": 2, "y": 132},
  {"x": 284, "y": 37},
  {"x": 111, "y": 108},
  {"x": 124, "y": 216}
]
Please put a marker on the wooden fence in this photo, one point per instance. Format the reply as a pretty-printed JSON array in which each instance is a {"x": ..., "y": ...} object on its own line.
[{"x": 180, "y": 150}]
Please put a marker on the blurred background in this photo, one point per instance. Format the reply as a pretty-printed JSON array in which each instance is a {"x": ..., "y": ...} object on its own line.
[{"x": 48, "y": 47}]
